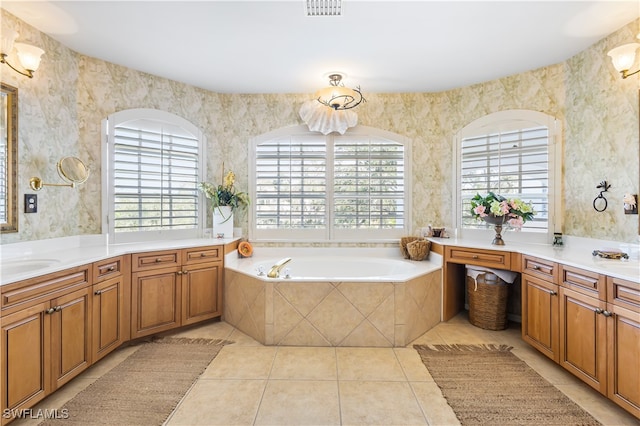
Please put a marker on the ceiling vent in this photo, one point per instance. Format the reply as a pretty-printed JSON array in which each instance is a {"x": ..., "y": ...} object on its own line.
[{"x": 324, "y": 7}]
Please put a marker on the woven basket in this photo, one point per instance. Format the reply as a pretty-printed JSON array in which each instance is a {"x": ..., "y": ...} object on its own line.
[
  {"x": 488, "y": 302},
  {"x": 418, "y": 249},
  {"x": 403, "y": 245}
]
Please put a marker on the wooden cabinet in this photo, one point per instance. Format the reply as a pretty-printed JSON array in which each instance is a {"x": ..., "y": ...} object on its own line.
[
  {"x": 623, "y": 344},
  {"x": 454, "y": 275},
  {"x": 46, "y": 335},
  {"x": 175, "y": 287},
  {"x": 583, "y": 337},
  {"x": 583, "y": 333},
  {"x": 586, "y": 322},
  {"x": 202, "y": 276},
  {"x": 111, "y": 305},
  {"x": 540, "y": 325},
  {"x": 155, "y": 301},
  {"x": 489, "y": 258}
]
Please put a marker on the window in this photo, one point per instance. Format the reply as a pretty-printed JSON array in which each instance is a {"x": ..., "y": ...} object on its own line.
[
  {"x": 350, "y": 187},
  {"x": 511, "y": 153},
  {"x": 153, "y": 166}
]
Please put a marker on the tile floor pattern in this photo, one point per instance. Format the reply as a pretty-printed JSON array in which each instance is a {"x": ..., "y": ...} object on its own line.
[{"x": 251, "y": 384}]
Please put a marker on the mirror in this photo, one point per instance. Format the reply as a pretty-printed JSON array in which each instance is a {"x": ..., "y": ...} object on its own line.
[
  {"x": 73, "y": 170},
  {"x": 9, "y": 159},
  {"x": 70, "y": 169}
]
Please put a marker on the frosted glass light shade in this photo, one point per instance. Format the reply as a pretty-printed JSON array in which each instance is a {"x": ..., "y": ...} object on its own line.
[
  {"x": 29, "y": 56},
  {"x": 623, "y": 57},
  {"x": 325, "y": 120}
]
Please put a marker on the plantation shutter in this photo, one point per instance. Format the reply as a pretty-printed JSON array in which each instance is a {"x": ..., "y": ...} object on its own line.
[
  {"x": 155, "y": 177},
  {"x": 290, "y": 182},
  {"x": 368, "y": 183},
  {"x": 512, "y": 163}
]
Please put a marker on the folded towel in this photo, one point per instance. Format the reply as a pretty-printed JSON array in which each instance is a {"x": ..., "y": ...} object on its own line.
[{"x": 474, "y": 271}]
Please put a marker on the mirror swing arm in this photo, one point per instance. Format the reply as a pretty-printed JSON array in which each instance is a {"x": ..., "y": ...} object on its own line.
[{"x": 70, "y": 169}]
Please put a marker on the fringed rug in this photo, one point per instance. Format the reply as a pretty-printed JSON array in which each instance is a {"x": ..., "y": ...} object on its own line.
[
  {"x": 144, "y": 388},
  {"x": 488, "y": 385}
]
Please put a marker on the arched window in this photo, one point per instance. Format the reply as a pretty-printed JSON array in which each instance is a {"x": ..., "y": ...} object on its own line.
[
  {"x": 152, "y": 164},
  {"x": 513, "y": 153},
  {"x": 351, "y": 187}
]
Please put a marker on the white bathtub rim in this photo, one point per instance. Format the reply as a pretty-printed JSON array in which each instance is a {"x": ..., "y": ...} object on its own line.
[{"x": 269, "y": 256}]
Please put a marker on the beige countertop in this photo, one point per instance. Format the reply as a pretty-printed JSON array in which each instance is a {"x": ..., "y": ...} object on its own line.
[
  {"x": 575, "y": 251},
  {"x": 25, "y": 260},
  {"x": 21, "y": 261}
]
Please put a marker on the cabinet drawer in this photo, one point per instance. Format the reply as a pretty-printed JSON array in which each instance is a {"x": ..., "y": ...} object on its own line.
[
  {"x": 35, "y": 290},
  {"x": 155, "y": 259},
  {"x": 582, "y": 281},
  {"x": 540, "y": 268},
  {"x": 201, "y": 255},
  {"x": 108, "y": 268},
  {"x": 623, "y": 293},
  {"x": 488, "y": 258}
]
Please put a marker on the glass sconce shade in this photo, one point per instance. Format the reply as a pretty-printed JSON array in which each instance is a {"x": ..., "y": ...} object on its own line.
[
  {"x": 623, "y": 57},
  {"x": 29, "y": 56}
]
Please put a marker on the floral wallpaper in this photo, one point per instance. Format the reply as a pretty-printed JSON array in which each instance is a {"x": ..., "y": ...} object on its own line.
[{"x": 62, "y": 108}]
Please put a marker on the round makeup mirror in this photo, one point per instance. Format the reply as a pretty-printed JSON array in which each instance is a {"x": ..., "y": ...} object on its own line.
[{"x": 73, "y": 170}]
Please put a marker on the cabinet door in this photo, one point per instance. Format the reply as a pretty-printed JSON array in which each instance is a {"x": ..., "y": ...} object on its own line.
[
  {"x": 540, "y": 315},
  {"x": 583, "y": 338},
  {"x": 201, "y": 292},
  {"x": 109, "y": 317},
  {"x": 623, "y": 336},
  {"x": 155, "y": 302},
  {"x": 25, "y": 357},
  {"x": 70, "y": 336}
]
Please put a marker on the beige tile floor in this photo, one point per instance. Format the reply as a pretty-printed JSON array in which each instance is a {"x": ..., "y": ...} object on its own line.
[{"x": 251, "y": 384}]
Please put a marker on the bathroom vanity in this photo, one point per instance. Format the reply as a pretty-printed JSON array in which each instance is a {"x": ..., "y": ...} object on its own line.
[
  {"x": 580, "y": 311},
  {"x": 56, "y": 325}
]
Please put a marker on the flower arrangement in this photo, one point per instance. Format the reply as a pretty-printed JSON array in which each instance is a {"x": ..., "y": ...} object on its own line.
[
  {"x": 225, "y": 194},
  {"x": 492, "y": 204}
]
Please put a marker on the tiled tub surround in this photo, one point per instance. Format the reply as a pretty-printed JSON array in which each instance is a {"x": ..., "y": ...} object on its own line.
[{"x": 350, "y": 305}]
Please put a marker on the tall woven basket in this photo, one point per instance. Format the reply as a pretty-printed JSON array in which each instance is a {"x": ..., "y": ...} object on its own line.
[{"x": 488, "y": 301}]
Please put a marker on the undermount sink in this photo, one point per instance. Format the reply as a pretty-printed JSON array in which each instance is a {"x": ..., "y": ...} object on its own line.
[{"x": 24, "y": 265}]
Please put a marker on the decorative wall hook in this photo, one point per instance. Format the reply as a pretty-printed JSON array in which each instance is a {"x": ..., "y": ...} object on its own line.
[{"x": 599, "y": 206}]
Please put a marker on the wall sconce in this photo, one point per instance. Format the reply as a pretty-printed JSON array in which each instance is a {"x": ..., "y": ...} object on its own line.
[
  {"x": 337, "y": 96},
  {"x": 623, "y": 58},
  {"x": 28, "y": 55}
]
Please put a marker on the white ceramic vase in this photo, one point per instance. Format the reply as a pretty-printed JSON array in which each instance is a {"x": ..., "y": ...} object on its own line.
[{"x": 222, "y": 222}]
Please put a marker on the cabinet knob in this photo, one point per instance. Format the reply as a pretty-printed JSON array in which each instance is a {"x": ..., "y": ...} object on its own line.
[
  {"x": 185, "y": 272},
  {"x": 203, "y": 254},
  {"x": 607, "y": 313},
  {"x": 57, "y": 308},
  {"x": 97, "y": 292},
  {"x": 179, "y": 272},
  {"x": 553, "y": 293},
  {"x": 475, "y": 256},
  {"x": 158, "y": 260},
  {"x": 111, "y": 268},
  {"x": 598, "y": 311},
  {"x": 536, "y": 267},
  {"x": 49, "y": 311}
]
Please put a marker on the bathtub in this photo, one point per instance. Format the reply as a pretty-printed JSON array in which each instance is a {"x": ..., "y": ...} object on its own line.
[{"x": 333, "y": 296}]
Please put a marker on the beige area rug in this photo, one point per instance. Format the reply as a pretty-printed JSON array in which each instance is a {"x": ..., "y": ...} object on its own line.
[
  {"x": 488, "y": 385},
  {"x": 144, "y": 388}
]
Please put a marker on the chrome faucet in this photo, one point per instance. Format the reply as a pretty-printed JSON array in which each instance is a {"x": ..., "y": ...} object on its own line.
[{"x": 274, "y": 272}]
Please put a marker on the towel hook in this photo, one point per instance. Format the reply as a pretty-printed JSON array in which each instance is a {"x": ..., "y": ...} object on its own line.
[{"x": 605, "y": 187}]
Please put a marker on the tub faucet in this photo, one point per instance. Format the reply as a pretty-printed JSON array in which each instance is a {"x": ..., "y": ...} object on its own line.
[{"x": 274, "y": 272}]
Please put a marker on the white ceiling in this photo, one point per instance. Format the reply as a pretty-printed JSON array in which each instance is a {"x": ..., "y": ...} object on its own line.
[{"x": 381, "y": 46}]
